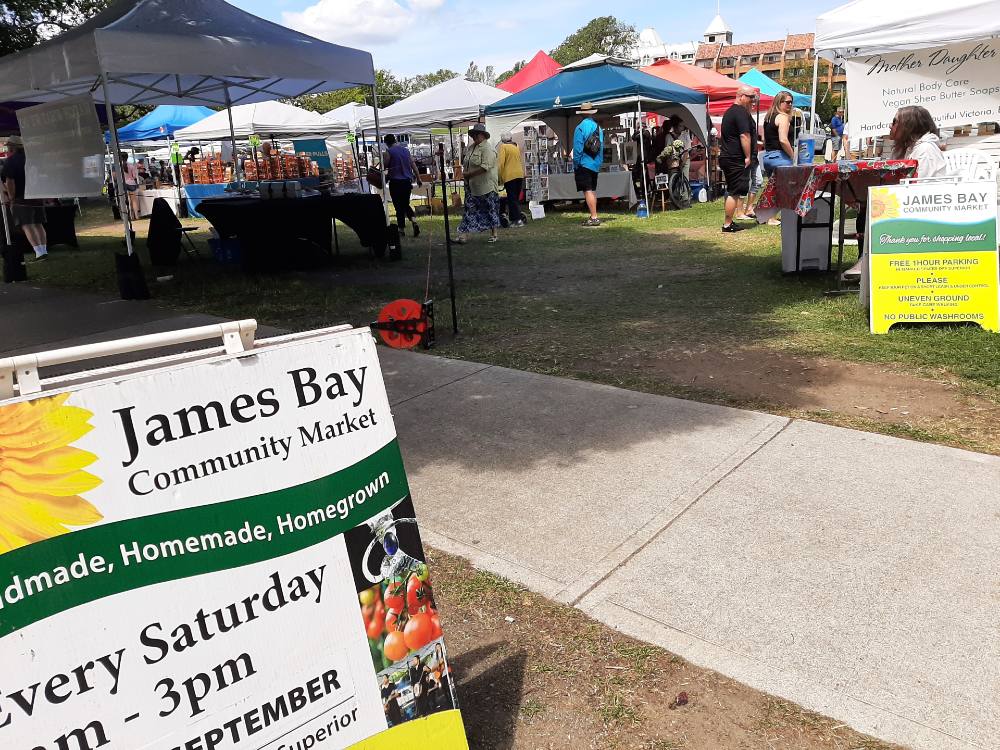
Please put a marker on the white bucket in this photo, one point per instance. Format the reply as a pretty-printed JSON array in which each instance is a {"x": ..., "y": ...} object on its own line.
[{"x": 537, "y": 210}]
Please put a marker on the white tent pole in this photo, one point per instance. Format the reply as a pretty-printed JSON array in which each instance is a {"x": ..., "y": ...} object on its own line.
[
  {"x": 381, "y": 165},
  {"x": 232, "y": 134},
  {"x": 642, "y": 151},
  {"x": 119, "y": 173},
  {"x": 812, "y": 119}
]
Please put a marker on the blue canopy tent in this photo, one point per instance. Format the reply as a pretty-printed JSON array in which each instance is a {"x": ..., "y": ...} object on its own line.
[
  {"x": 162, "y": 122},
  {"x": 771, "y": 87},
  {"x": 613, "y": 88}
]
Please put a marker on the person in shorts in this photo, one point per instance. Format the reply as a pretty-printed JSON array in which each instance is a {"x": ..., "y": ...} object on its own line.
[
  {"x": 27, "y": 214},
  {"x": 738, "y": 141},
  {"x": 586, "y": 166}
]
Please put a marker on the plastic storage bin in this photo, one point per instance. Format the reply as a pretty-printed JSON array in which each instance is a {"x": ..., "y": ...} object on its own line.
[{"x": 806, "y": 247}]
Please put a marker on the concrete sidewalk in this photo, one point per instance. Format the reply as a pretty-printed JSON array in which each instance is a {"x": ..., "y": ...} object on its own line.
[{"x": 855, "y": 574}]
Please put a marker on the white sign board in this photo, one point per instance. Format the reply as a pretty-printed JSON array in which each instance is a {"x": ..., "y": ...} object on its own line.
[
  {"x": 958, "y": 84},
  {"x": 63, "y": 149},
  {"x": 218, "y": 555}
]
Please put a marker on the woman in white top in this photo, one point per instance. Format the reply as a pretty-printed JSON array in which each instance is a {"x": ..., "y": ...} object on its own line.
[{"x": 915, "y": 136}]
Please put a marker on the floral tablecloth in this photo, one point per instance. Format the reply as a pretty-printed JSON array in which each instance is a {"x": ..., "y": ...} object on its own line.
[{"x": 796, "y": 187}]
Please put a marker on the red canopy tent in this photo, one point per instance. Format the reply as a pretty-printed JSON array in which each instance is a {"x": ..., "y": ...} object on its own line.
[
  {"x": 720, "y": 90},
  {"x": 537, "y": 70}
]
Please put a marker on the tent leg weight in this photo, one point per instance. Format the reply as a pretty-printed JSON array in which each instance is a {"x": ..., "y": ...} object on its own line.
[
  {"x": 395, "y": 244},
  {"x": 13, "y": 264},
  {"x": 131, "y": 279}
]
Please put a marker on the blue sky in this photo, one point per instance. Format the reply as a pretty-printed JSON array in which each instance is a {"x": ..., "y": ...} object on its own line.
[{"x": 418, "y": 36}]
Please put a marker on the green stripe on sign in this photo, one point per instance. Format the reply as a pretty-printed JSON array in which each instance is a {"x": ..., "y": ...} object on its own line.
[{"x": 380, "y": 477}]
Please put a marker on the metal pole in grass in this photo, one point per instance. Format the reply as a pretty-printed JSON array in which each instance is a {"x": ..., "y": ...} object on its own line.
[
  {"x": 232, "y": 134},
  {"x": 447, "y": 239},
  {"x": 118, "y": 174},
  {"x": 642, "y": 151}
]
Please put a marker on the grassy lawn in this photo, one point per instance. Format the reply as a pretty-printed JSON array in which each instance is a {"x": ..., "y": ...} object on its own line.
[{"x": 638, "y": 303}]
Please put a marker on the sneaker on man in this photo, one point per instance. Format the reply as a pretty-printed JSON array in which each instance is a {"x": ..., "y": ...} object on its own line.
[{"x": 727, "y": 228}]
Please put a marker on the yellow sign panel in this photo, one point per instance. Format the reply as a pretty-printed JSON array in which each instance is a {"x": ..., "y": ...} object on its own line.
[{"x": 933, "y": 254}]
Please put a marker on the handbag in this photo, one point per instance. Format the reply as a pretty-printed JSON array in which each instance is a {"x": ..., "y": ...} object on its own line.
[{"x": 375, "y": 177}]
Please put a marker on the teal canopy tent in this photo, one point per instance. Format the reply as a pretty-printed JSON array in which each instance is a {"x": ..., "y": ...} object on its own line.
[{"x": 771, "y": 87}]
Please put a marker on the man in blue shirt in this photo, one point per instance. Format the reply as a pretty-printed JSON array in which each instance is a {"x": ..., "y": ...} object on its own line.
[
  {"x": 587, "y": 166},
  {"x": 837, "y": 126},
  {"x": 402, "y": 176}
]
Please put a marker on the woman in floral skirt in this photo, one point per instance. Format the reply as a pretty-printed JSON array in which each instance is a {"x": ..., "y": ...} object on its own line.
[{"x": 482, "y": 201}]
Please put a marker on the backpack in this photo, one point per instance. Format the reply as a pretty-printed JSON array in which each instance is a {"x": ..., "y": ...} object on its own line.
[{"x": 592, "y": 146}]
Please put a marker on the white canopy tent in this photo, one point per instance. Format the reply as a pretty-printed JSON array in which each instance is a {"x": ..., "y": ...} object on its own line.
[
  {"x": 868, "y": 26},
  {"x": 864, "y": 26},
  {"x": 345, "y": 120},
  {"x": 452, "y": 103},
  {"x": 350, "y": 115},
  {"x": 261, "y": 118},
  {"x": 180, "y": 52}
]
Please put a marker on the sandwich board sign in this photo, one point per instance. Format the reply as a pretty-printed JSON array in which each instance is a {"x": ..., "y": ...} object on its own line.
[
  {"x": 217, "y": 553},
  {"x": 933, "y": 254}
]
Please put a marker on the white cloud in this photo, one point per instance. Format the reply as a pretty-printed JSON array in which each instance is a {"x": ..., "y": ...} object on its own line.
[
  {"x": 353, "y": 22},
  {"x": 426, "y": 4}
]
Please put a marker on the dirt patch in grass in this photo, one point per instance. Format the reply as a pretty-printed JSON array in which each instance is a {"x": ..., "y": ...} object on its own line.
[
  {"x": 533, "y": 674},
  {"x": 820, "y": 387}
]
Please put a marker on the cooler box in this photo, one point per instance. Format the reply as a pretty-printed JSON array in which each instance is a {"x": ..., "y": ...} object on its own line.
[{"x": 806, "y": 246}]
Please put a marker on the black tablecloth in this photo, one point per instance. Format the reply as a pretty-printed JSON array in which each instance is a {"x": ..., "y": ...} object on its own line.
[
  {"x": 60, "y": 225},
  {"x": 294, "y": 233}
]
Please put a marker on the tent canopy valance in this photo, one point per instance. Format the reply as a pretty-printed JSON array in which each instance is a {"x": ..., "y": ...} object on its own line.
[
  {"x": 182, "y": 51},
  {"x": 263, "y": 119},
  {"x": 767, "y": 85},
  {"x": 162, "y": 122},
  {"x": 451, "y": 103},
  {"x": 614, "y": 89},
  {"x": 865, "y": 26}
]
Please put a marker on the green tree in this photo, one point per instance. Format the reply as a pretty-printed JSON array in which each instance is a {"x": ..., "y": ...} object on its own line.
[
  {"x": 798, "y": 75},
  {"x": 603, "y": 36},
  {"x": 25, "y": 23},
  {"x": 488, "y": 75},
  {"x": 390, "y": 89},
  {"x": 426, "y": 80}
]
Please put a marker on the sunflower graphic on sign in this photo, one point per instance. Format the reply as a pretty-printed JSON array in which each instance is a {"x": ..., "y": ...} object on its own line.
[
  {"x": 42, "y": 480},
  {"x": 884, "y": 204}
]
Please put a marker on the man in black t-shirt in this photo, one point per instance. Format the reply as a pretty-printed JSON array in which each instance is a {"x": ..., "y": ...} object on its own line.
[
  {"x": 27, "y": 214},
  {"x": 738, "y": 141}
]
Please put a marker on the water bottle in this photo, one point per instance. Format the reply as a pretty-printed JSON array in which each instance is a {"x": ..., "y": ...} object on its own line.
[{"x": 642, "y": 212}]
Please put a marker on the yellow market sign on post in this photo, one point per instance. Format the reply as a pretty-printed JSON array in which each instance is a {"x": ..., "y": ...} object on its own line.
[{"x": 933, "y": 254}]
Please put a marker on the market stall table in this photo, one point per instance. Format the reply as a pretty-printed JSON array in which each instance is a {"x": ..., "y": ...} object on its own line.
[
  {"x": 796, "y": 189},
  {"x": 562, "y": 187},
  {"x": 148, "y": 195},
  {"x": 278, "y": 234}
]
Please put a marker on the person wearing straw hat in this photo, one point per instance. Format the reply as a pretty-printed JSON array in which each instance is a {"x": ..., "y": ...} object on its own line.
[
  {"x": 482, "y": 200},
  {"x": 28, "y": 214},
  {"x": 588, "y": 153}
]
